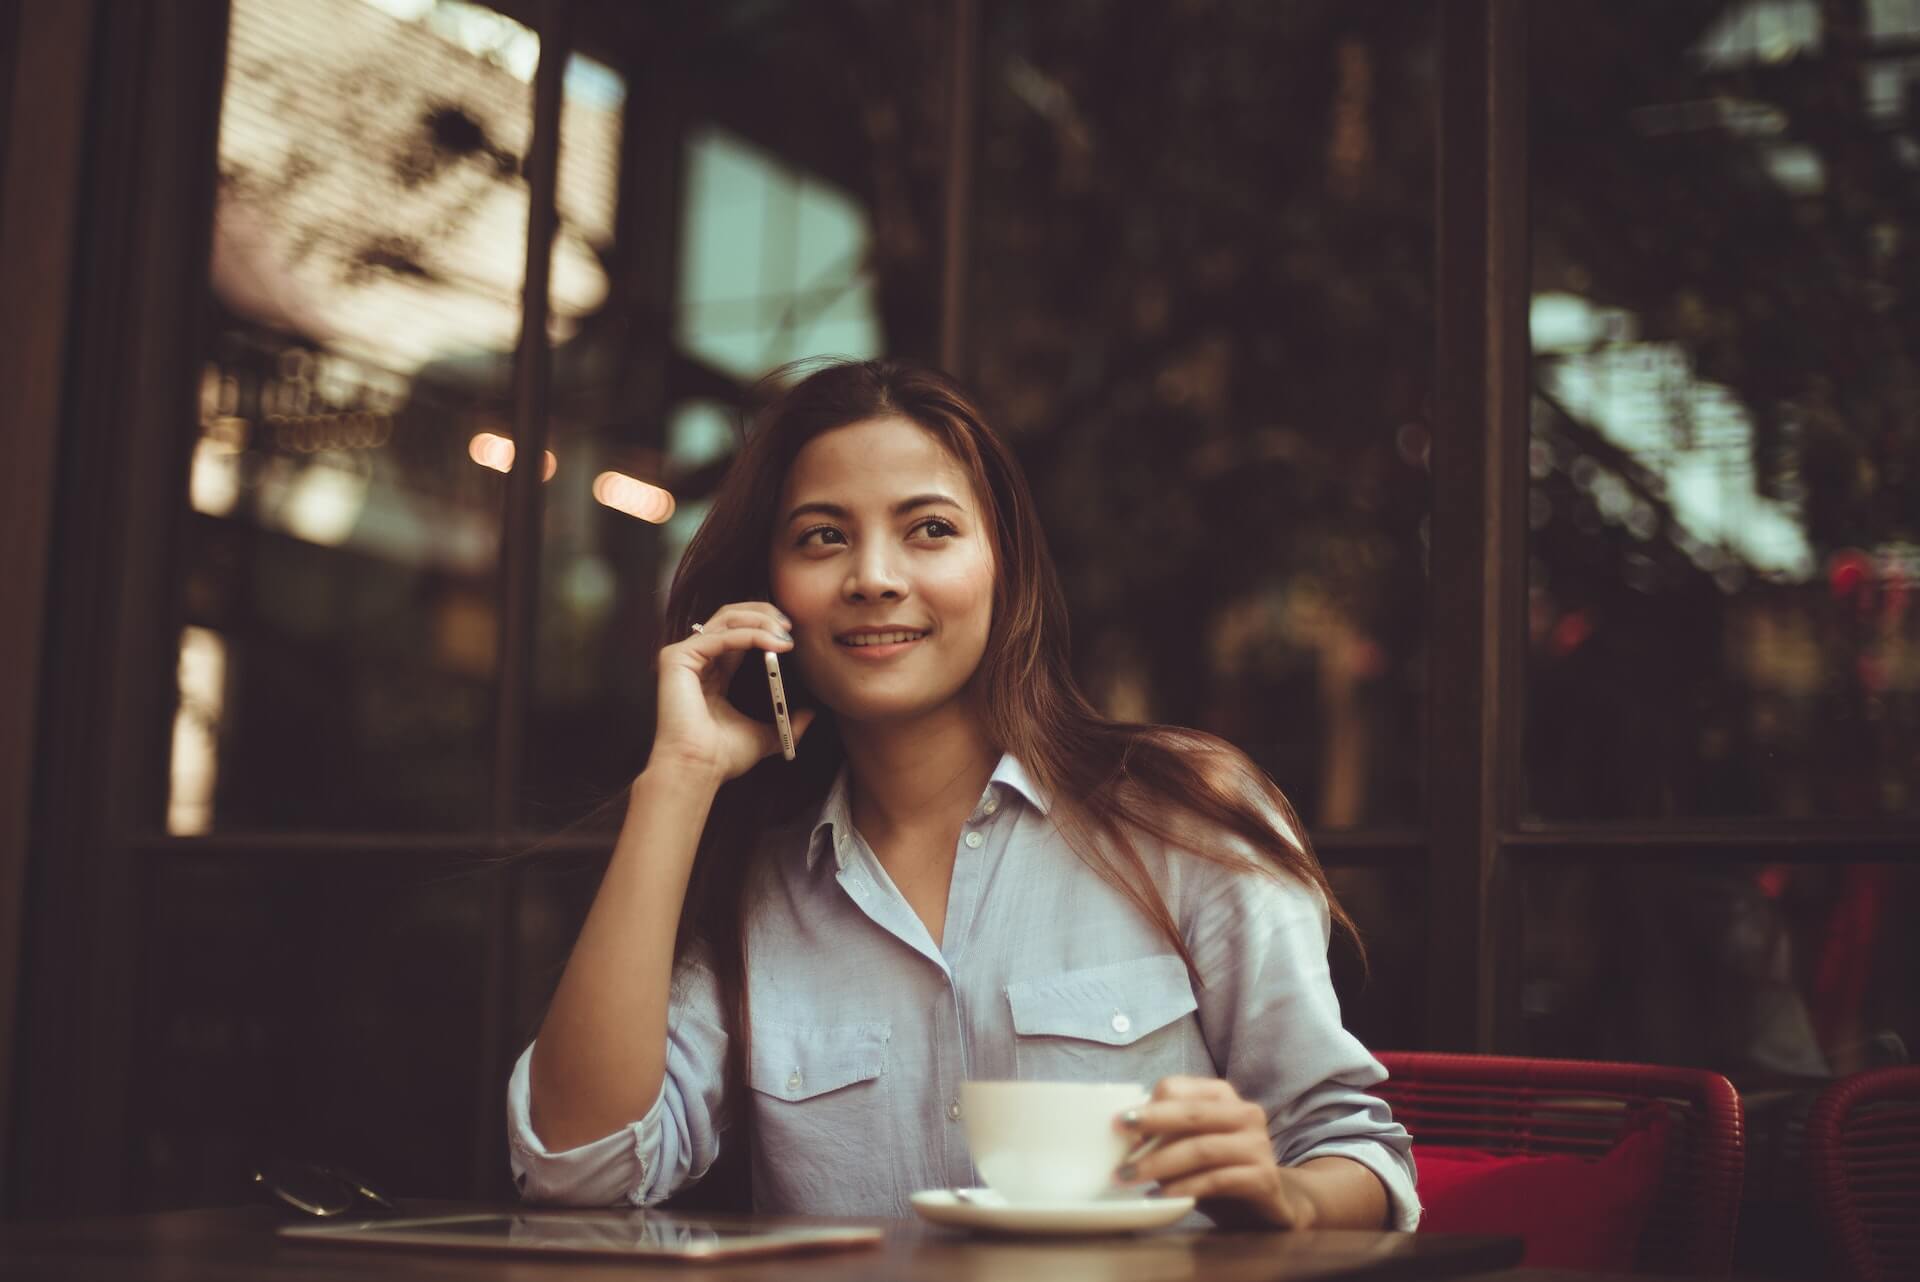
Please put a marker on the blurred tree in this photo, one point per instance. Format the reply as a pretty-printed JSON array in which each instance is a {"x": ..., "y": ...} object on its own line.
[{"x": 1203, "y": 305}]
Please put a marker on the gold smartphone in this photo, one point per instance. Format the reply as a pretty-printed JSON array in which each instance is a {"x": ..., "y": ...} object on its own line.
[{"x": 780, "y": 718}]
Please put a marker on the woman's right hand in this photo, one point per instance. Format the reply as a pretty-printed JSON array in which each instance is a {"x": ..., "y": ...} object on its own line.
[{"x": 697, "y": 726}]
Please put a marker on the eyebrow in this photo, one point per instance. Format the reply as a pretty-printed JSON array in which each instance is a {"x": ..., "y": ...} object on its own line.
[{"x": 901, "y": 508}]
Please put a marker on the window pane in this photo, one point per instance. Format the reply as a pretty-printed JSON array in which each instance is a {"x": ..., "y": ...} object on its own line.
[
  {"x": 769, "y": 213},
  {"x": 337, "y": 668},
  {"x": 1759, "y": 972},
  {"x": 1725, "y": 505},
  {"x": 323, "y": 1009},
  {"x": 1383, "y": 1002},
  {"x": 1202, "y": 301}
]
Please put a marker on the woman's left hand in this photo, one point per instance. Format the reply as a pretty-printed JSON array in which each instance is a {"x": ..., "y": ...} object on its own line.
[{"x": 1218, "y": 1152}]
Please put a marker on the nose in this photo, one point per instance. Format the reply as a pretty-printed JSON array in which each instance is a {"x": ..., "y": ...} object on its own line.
[{"x": 874, "y": 576}]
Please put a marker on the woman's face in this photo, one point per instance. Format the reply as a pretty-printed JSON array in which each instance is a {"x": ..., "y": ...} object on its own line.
[{"x": 881, "y": 559}]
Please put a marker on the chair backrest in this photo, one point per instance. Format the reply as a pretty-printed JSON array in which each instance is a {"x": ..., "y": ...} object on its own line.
[
  {"x": 1863, "y": 1159},
  {"x": 1536, "y": 1107}
]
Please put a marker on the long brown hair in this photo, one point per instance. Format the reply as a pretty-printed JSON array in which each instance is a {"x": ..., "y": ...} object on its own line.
[{"x": 1107, "y": 781}]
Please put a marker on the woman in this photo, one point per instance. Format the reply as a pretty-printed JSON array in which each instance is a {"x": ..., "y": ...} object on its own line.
[{"x": 967, "y": 873}]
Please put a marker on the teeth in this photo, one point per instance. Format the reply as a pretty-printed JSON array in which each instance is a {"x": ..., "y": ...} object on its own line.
[{"x": 883, "y": 638}]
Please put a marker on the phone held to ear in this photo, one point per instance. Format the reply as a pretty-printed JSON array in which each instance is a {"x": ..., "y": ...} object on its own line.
[{"x": 779, "y": 692}]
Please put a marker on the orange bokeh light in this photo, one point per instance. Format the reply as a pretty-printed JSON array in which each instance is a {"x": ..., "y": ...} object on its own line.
[
  {"x": 494, "y": 451},
  {"x": 633, "y": 496}
]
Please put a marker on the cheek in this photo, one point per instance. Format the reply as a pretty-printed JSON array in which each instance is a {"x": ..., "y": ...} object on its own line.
[
  {"x": 963, "y": 592},
  {"x": 803, "y": 597}
]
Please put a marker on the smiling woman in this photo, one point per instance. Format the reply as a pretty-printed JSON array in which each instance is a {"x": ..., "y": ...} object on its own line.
[
  {"x": 966, "y": 874},
  {"x": 891, "y": 597}
]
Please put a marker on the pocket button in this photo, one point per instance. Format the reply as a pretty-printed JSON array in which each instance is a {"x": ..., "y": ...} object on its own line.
[{"x": 1121, "y": 1023}]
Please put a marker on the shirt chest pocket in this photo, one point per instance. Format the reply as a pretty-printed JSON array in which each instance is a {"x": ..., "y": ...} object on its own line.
[
  {"x": 822, "y": 1100},
  {"x": 1128, "y": 1021}
]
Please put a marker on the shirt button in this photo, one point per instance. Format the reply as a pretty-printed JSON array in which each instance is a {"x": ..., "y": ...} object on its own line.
[
  {"x": 993, "y": 804},
  {"x": 1121, "y": 1023},
  {"x": 973, "y": 840},
  {"x": 793, "y": 1083},
  {"x": 953, "y": 1111}
]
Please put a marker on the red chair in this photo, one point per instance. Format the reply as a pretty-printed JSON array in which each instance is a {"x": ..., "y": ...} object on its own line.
[
  {"x": 1863, "y": 1158},
  {"x": 1539, "y": 1107}
]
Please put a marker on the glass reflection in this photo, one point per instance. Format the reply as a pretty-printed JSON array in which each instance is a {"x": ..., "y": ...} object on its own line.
[
  {"x": 1725, "y": 505},
  {"x": 777, "y": 266},
  {"x": 341, "y": 540},
  {"x": 767, "y": 216},
  {"x": 1768, "y": 973},
  {"x": 1202, "y": 303}
]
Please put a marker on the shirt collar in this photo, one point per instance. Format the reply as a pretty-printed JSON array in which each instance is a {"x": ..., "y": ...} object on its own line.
[{"x": 835, "y": 820}]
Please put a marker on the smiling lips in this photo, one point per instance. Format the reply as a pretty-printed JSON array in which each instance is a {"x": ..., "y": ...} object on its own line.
[{"x": 888, "y": 638}]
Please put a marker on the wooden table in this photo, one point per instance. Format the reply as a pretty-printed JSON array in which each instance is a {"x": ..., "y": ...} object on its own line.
[{"x": 240, "y": 1243}]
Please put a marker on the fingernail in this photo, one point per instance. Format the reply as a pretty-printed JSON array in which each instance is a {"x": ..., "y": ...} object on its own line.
[
  {"x": 1126, "y": 1172},
  {"x": 1130, "y": 1118},
  {"x": 786, "y": 636},
  {"x": 1154, "y": 1192}
]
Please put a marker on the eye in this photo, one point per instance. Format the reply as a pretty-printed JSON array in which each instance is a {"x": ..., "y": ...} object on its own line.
[
  {"x": 806, "y": 538},
  {"x": 937, "y": 528}
]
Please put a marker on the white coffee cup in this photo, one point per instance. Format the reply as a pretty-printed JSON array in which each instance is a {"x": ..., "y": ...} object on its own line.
[{"x": 1047, "y": 1141}]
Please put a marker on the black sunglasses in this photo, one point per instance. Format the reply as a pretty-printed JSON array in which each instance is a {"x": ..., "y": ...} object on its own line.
[{"x": 319, "y": 1190}]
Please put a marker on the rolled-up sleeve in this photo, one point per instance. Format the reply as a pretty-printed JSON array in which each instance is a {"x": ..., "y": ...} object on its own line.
[
  {"x": 649, "y": 1159},
  {"x": 1272, "y": 1024}
]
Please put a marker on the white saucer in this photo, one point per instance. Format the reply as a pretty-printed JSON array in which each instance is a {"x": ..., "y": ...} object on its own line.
[{"x": 1101, "y": 1215}]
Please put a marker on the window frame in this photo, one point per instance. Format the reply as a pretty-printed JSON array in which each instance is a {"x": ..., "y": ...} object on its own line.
[{"x": 155, "y": 79}]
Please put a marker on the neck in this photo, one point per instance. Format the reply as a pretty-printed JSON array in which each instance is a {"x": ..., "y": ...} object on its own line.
[{"x": 910, "y": 775}]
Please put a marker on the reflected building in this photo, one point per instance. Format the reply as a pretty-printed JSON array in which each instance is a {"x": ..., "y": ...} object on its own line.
[{"x": 1724, "y": 525}]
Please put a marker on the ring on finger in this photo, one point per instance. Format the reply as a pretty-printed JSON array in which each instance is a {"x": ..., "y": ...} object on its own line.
[{"x": 699, "y": 627}]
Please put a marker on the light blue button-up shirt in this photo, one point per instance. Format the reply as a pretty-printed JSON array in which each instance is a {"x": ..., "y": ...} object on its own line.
[{"x": 864, "y": 1028}]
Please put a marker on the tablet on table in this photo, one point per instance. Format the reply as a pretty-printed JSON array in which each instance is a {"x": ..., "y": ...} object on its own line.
[{"x": 630, "y": 1234}]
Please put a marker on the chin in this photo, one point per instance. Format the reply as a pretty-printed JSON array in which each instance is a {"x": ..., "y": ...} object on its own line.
[{"x": 880, "y": 711}]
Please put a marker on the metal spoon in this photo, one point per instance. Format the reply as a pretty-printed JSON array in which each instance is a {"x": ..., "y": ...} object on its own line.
[{"x": 1143, "y": 1148}]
